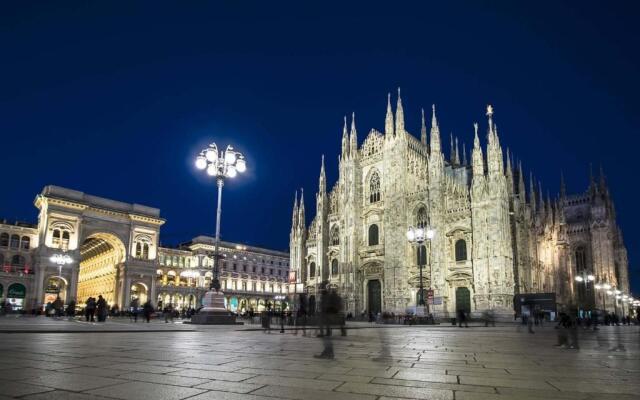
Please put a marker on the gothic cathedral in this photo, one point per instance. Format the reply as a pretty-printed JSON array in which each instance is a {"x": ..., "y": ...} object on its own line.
[{"x": 492, "y": 238}]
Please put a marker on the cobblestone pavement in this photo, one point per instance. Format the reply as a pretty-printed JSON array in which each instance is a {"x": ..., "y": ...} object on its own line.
[{"x": 434, "y": 362}]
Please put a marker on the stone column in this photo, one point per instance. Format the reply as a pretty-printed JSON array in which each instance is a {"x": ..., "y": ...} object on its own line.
[
  {"x": 73, "y": 283},
  {"x": 39, "y": 284},
  {"x": 152, "y": 295}
]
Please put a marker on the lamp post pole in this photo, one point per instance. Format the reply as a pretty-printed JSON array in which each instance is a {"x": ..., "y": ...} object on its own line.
[
  {"x": 221, "y": 165},
  {"x": 586, "y": 278},
  {"x": 417, "y": 237}
]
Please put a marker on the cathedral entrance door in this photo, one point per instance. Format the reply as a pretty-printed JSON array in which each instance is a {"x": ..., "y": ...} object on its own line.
[
  {"x": 374, "y": 295},
  {"x": 463, "y": 299}
]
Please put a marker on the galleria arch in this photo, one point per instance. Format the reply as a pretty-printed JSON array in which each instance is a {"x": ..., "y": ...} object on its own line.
[{"x": 112, "y": 245}]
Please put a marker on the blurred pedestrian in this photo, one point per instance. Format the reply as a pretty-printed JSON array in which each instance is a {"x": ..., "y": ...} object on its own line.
[
  {"x": 462, "y": 318},
  {"x": 147, "y": 310},
  {"x": 90, "y": 309},
  {"x": 133, "y": 309},
  {"x": 101, "y": 308}
]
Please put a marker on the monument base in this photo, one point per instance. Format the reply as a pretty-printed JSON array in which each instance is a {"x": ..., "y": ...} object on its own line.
[{"x": 213, "y": 312}]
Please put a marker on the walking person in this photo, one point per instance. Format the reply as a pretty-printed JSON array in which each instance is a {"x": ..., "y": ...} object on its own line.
[
  {"x": 58, "y": 307},
  {"x": 168, "y": 313},
  {"x": 90, "y": 309},
  {"x": 301, "y": 317},
  {"x": 71, "y": 309},
  {"x": 462, "y": 319},
  {"x": 133, "y": 309},
  {"x": 327, "y": 308},
  {"x": 101, "y": 305},
  {"x": 147, "y": 310}
]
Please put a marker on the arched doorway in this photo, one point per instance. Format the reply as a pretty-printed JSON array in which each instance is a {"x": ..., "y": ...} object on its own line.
[
  {"x": 139, "y": 291},
  {"x": 55, "y": 286},
  {"x": 374, "y": 296},
  {"x": 100, "y": 256},
  {"x": 463, "y": 299},
  {"x": 16, "y": 292}
]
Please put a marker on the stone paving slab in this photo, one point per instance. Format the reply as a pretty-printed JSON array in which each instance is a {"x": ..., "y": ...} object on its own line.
[{"x": 371, "y": 364}]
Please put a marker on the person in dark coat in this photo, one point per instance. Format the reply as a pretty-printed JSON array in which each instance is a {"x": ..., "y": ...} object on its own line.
[
  {"x": 462, "y": 319},
  {"x": 147, "y": 310},
  {"x": 71, "y": 309},
  {"x": 90, "y": 309},
  {"x": 101, "y": 308}
]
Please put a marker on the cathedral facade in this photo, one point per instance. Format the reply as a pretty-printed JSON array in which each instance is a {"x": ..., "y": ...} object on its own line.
[{"x": 494, "y": 238}]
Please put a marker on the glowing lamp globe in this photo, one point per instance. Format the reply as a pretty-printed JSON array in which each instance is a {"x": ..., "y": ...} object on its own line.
[
  {"x": 211, "y": 154},
  {"x": 231, "y": 171},
  {"x": 230, "y": 156},
  {"x": 211, "y": 170},
  {"x": 411, "y": 235},
  {"x": 241, "y": 165},
  {"x": 201, "y": 162}
]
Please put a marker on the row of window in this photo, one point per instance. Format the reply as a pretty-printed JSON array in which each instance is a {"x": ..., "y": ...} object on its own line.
[
  {"x": 16, "y": 261},
  {"x": 15, "y": 241}
]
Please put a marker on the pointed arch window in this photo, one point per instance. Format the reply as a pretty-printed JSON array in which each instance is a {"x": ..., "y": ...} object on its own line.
[
  {"x": 334, "y": 267},
  {"x": 312, "y": 270},
  {"x": 581, "y": 260},
  {"x": 374, "y": 188},
  {"x": 422, "y": 220},
  {"x": 334, "y": 238},
  {"x": 374, "y": 238},
  {"x": 461, "y": 250}
]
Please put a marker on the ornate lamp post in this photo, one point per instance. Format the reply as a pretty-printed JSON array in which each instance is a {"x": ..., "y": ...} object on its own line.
[
  {"x": 606, "y": 287},
  {"x": 60, "y": 260},
  {"x": 417, "y": 237},
  {"x": 221, "y": 165},
  {"x": 585, "y": 278}
]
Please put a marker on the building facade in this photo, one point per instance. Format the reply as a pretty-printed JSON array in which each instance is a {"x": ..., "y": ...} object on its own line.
[
  {"x": 493, "y": 237},
  {"x": 115, "y": 252}
]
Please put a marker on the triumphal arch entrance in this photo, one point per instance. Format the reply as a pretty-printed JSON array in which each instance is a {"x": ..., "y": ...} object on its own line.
[{"x": 112, "y": 248}]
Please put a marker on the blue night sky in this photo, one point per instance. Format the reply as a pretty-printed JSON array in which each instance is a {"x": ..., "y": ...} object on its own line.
[{"x": 115, "y": 99}]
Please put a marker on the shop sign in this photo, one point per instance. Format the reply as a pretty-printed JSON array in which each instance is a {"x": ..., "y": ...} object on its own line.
[
  {"x": 16, "y": 291},
  {"x": 292, "y": 277}
]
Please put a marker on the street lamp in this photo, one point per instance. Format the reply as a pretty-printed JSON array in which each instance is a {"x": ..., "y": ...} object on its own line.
[
  {"x": 221, "y": 165},
  {"x": 60, "y": 260},
  {"x": 417, "y": 237},
  {"x": 586, "y": 278}
]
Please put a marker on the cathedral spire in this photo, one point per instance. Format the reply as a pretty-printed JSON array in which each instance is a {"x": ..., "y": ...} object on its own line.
[
  {"x": 388, "y": 121},
  {"x": 457, "y": 154},
  {"x": 435, "y": 133},
  {"x": 353, "y": 138},
  {"x": 452, "y": 149},
  {"x": 301, "y": 217},
  {"x": 521, "y": 187},
  {"x": 423, "y": 130},
  {"x": 477, "y": 158},
  {"x": 345, "y": 140},
  {"x": 563, "y": 188},
  {"x": 399, "y": 116},
  {"x": 509, "y": 168},
  {"x": 294, "y": 216},
  {"x": 490, "y": 117},
  {"x": 464, "y": 154},
  {"x": 532, "y": 193},
  {"x": 322, "y": 181}
]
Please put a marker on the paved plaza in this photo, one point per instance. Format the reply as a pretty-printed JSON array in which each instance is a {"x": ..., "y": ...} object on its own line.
[{"x": 175, "y": 361}]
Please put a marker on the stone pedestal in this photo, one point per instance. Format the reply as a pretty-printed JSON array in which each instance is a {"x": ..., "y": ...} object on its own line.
[{"x": 213, "y": 312}]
